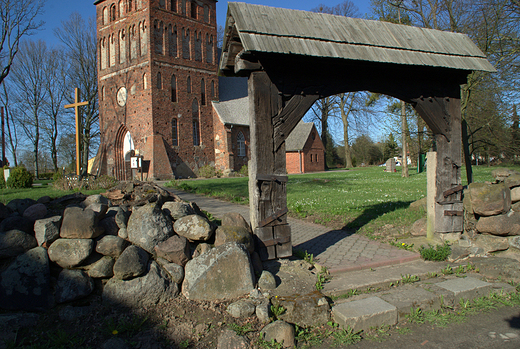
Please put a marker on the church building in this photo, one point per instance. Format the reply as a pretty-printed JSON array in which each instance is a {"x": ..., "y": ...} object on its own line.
[{"x": 159, "y": 91}]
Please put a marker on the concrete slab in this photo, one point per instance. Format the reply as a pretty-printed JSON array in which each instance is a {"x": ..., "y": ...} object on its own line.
[
  {"x": 468, "y": 288},
  {"x": 404, "y": 299},
  {"x": 379, "y": 277},
  {"x": 364, "y": 314}
]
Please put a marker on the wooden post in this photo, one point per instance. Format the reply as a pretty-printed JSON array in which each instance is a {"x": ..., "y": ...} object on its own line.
[
  {"x": 3, "y": 138},
  {"x": 431, "y": 179},
  {"x": 76, "y": 106}
]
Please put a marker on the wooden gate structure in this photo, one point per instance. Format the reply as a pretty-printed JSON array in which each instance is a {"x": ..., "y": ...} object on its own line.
[{"x": 292, "y": 58}]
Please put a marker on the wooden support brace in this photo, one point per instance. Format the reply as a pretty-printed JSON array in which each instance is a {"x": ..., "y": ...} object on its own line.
[
  {"x": 272, "y": 178},
  {"x": 272, "y": 217},
  {"x": 453, "y": 213},
  {"x": 435, "y": 113},
  {"x": 453, "y": 190}
]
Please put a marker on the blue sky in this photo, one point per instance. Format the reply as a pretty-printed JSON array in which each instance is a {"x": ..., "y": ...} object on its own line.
[{"x": 57, "y": 11}]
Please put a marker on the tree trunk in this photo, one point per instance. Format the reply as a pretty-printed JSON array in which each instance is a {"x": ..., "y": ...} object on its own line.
[{"x": 404, "y": 162}]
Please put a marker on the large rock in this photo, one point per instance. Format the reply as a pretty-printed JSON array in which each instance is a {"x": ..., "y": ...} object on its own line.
[
  {"x": 194, "y": 228},
  {"x": 513, "y": 180},
  {"x": 176, "y": 250},
  {"x": 225, "y": 234},
  {"x": 47, "y": 230},
  {"x": 109, "y": 225},
  {"x": 152, "y": 288},
  {"x": 99, "y": 209},
  {"x": 225, "y": 272},
  {"x": 419, "y": 227},
  {"x": 241, "y": 309},
  {"x": 501, "y": 174},
  {"x": 228, "y": 339},
  {"x": 490, "y": 199},
  {"x": 149, "y": 226},
  {"x": 176, "y": 271},
  {"x": 111, "y": 246},
  {"x": 18, "y": 223},
  {"x": 15, "y": 242},
  {"x": 177, "y": 210},
  {"x": 36, "y": 211},
  {"x": 515, "y": 242},
  {"x": 72, "y": 285},
  {"x": 103, "y": 268},
  {"x": 25, "y": 284},
  {"x": 132, "y": 262},
  {"x": 515, "y": 194},
  {"x": 95, "y": 199},
  {"x": 279, "y": 331},
  {"x": 490, "y": 243},
  {"x": 266, "y": 281},
  {"x": 20, "y": 205},
  {"x": 80, "y": 223},
  {"x": 4, "y": 212},
  {"x": 235, "y": 219},
  {"x": 309, "y": 310},
  {"x": 69, "y": 253},
  {"x": 501, "y": 225}
]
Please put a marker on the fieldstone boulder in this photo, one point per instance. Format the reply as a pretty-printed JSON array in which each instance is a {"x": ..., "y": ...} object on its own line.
[
  {"x": 4, "y": 211},
  {"x": 148, "y": 226},
  {"x": 176, "y": 271},
  {"x": 228, "y": 339},
  {"x": 515, "y": 194},
  {"x": 257, "y": 263},
  {"x": 201, "y": 249},
  {"x": 99, "y": 209},
  {"x": 36, "y": 211},
  {"x": 225, "y": 234},
  {"x": 25, "y": 284},
  {"x": 44, "y": 199},
  {"x": 80, "y": 223},
  {"x": 419, "y": 227},
  {"x": 267, "y": 281},
  {"x": 20, "y": 205},
  {"x": 225, "y": 272},
  {"x": 305, "y": 310},
  {"x": 515, "y": 242},
  {"x": 194, "y": 228},
  {"x": 18, "y": 223},
  {"x": 111, "y": 246},
  {"x": 501, "y": 225},
  {"x": 500, "y": 174},
  {"x": 47, "y": 230},
  {"x": 490, "y": 243},
  {"x": 15, "y": 242},
  {"x": 513, "y": 180},
  {"x": 95, "y": 199},
  {"x": 109, "y": 225},
  {"x": 102, "y": 269},
  {"x": 177, "y": 210},
  {"x": 241, "y": 309},
  {"x": 176, "y": 250},
  {"x": 150, "y": 289},
  {"x": 490, "y": 199},
  {"x": 131, "y": 263},
  {"x": 280, "y": 331},
  {"x": 69, "y": 253},
  {"x": 262, "y": 311},
  {"x": 72, "y": 285},
  {"x": 122, "y": 218},
  {"x": 234, "y": 219}
]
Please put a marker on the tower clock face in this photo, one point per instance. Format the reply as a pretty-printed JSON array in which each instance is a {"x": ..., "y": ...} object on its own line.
[{"x": 121, "y": 96}]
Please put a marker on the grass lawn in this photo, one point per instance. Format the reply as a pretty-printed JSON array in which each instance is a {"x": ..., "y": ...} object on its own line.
[
  {"x": 362, "y": 199},
  {"x": 37, "y": 192}
]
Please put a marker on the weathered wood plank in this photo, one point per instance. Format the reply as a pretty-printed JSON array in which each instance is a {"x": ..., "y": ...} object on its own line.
[
  {"x": 282, "y": 233},
  {"x": 453, "y": 191},
  {"x": 290, "y": 116},
  {"x": 265, "y": 234},
  {"x": 272, "y": 217},
  {"x": 433, "y": 111},
  {"x": 272, "y": 177}
]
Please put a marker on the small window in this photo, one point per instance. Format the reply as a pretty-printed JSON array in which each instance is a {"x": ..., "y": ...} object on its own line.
[
  {"x": 105, "y": 16},
  {"x": 196, "y": 139},
  {"x": 202, "y": 92},
  {"x": 159, "y": 81},
  {"x": 241, "y": 143},
  {"x": 183, "y": 7},
  {"x": 313, "y": 135},
  {"x": 145, "y": 82},
  {"x": 193, "y": 9},
  {"x": 162, "y": 4},
  {"x": 173, "y": 5},
  {"x": 188, "y": 85},
  {"x": 213, "y": 89},
  {"x": 113, "y": 12},
  {"x": 174, "y": 88},
  {"x": 175, "y": 133},
  {"x": 121, "y": 8},
  {"x": 206, "y": 13},
  {"x": 311, "y": 157},
  {"x": 130, "y": 5},
  {"x": 316, "y": 157}
]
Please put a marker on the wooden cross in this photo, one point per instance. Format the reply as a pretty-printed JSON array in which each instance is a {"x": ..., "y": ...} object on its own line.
[{"x": 76, "y": 106}]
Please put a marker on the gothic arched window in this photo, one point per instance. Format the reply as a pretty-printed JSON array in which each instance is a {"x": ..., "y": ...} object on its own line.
[
  {"x": 202, "y": 92},
  {"x": 241, "y": 144},
  {"x": 188, "y": 85},
  {"x": 159, "y": 81},
  {"x": 174, "y": 88},
  {"x": 175, "y": 133}
]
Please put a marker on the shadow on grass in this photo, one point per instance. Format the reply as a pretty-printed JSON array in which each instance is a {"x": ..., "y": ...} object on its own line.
[{"x": 320, "y": 243}]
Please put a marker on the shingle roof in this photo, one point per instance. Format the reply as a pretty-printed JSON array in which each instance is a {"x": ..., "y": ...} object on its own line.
[
  {"x": 276, "y": 30},
  {"x": 299, "y": 136},
  {"x": 233, "y": 112}
]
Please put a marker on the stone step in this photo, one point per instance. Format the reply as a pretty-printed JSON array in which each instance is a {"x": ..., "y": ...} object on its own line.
[{"x": 390, "y": 307}]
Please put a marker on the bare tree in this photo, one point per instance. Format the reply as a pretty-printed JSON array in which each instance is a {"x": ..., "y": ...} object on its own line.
[
  {"x": 28, "y": 78},
  {"x": 12, "y": 135},
  {"x": 79, "y": 39},
  {"x": 19, "y": 19}
]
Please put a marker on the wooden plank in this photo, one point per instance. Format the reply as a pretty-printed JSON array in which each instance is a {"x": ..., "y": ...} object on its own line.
[
  {"x": 453, "y": 190},
  {"x": 451, "y": 213},
  {"x": 434, "y": 112},
  {"x": 282, "y": 233},
  {"x": 272, "y": 217},
  {"x": 272, "y": 177},
  {"x": 290, "y": 116},
  {"x": 275, "y": 242},
  {"x": 265, "y": 234}
]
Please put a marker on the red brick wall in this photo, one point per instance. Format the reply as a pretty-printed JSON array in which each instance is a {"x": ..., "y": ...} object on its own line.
[
  {"x": 313, "y": 148},
  {"x": 149, "y": 110},
  {"x": 293, "y": 162}
]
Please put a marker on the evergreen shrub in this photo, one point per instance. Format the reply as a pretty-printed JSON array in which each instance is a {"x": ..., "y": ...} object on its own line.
[{"x": 19, "y": 178}]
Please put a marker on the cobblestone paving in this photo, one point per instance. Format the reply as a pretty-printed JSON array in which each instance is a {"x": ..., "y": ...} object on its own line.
[{"x": 338, "y": 250}]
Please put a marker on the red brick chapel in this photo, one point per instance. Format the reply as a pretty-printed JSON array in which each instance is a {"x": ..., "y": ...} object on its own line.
[{"x": 159, "y": 94}]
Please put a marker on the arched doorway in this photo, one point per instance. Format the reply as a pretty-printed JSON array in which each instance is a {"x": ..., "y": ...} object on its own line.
[{"x": 124, "y": 150}]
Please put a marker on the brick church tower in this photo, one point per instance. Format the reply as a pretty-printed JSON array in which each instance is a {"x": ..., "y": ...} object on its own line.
[{"x": 157, "y": 76}]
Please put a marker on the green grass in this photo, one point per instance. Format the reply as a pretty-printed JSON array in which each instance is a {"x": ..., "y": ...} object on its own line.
[
  {"x": 362, "y": 199},
  {"x": 35, "y": 193}
]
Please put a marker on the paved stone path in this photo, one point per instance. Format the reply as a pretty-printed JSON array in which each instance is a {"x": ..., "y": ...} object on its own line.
[{"x": 338, "y": 250}]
